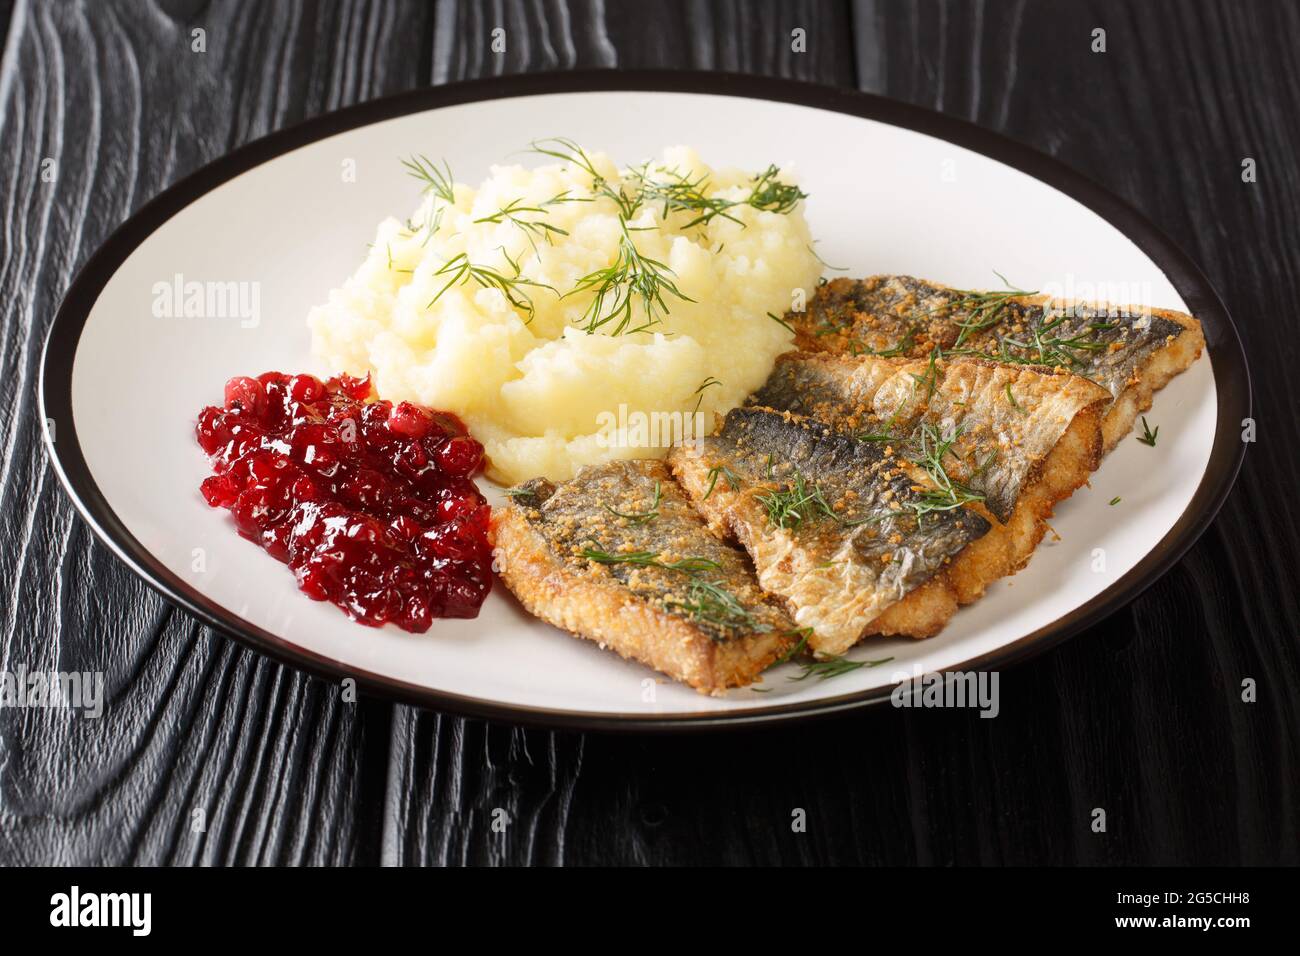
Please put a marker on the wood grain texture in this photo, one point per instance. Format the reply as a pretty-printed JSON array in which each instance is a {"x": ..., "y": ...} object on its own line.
[
  {"x": 746, "y": 36},
  {"x": 283, "y": 770},
  {"x": 1140, "y": 716},
  {"x": 1164, "y": 118}
]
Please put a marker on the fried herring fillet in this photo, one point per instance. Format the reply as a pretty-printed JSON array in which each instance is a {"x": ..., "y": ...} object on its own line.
[
  {"x": 1131, "y": 351},
  {"x": 619, "y": 556},
  {"x": 834, "y": 525},
  {"x": 1018, "y": 439}
]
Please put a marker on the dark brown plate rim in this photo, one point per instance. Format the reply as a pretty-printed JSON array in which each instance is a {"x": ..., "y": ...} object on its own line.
[{"x": 1232, "y": 378}]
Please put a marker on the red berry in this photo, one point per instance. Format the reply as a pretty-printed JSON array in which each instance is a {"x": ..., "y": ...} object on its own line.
[
  {"x": 460, "y": 456},
  {"x": 306, "y": 388},
  {"x": 248, "y": 392},
  {"x": 409, "y": 421},
  {"x": 370, "y": 504}
]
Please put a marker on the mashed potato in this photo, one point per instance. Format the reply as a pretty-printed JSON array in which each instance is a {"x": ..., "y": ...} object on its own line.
[{"x": 518, "y": 305}]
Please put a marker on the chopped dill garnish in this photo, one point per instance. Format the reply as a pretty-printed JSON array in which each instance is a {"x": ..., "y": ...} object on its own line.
[
  {"x": 707, "y": 383},
  {"x": 462, "y": 270},
  {"x": 986, "y": 308},
  {"x": 1068, "y": 351},
  {"x": 789, "y": 508},
  {"x": 828, "y": 667},
  {"x": 533, "y": 229},
  {"x": 636, "y": 278},
  {"x": 678, "y": 193},
  {"x": 570, "y": 152},
  {"x": 1116, "y": 500},
  {"x": 823, "y": 280},
  {"x": 804, "y": 633},
  {"x": 710, "y": 602},
  {"x": 781, "y": 322},
  {"x": 930, "y": 378},
  {"x": 769, "y": 194},
  {"x": 731, "y": 476},
  {"x": 1012, "y": 399},
  {"x": 948, "y": 494},
  {"x": 706, "y": 600},
  {"x": 899, "y": 348},
  {"x": 1148, "y": 437},
  {"x": 650, "y": 559},
  {"x": 887, "y": 435},
  {"x": 641, "y": 517},
  {"x": 436, "y": 180},
  {"x": 631, "y": 276},
  {"x": 526, "y": 497}
]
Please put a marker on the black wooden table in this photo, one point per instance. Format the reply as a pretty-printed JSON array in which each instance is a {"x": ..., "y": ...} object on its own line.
[{"x": 1141, "y": 716}]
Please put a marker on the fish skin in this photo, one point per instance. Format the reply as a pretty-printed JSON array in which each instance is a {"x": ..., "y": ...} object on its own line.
[
  {"x": 1001, "y": 442},
  {"x": 840, "y": 575},
  {"x": 1128, "y": 350},
  {"x": 640, "y": 611}
]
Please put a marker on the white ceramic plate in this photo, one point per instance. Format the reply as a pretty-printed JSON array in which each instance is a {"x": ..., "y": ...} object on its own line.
[{"x": 893, "y": 189}]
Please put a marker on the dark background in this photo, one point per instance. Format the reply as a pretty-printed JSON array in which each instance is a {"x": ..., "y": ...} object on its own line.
[{"x": 1141, "y": 715}]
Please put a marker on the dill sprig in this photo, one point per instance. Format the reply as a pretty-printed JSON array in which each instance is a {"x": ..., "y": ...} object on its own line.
[
  {"x": 707, "y": 383},
  {"x": 788, "y": 508},
  {"x": 437, "y": 180},
  {"x": 462, "y": 270},
  {"x": 823, "y": 280},
  {"x": 679, "y": 193},
  {"x": 1148, "y": 437},
  {"x": 899, "y": 348},
  {"x": 887, "y": 434},
  {"x": 712, "y": 603},
  {"x": 650, "y": 559},
  {"x": 947, "y": 494},
  {"x": 986, "y": 308},
  {"x": 706, "y": 600},
  {"x": 641, "y": 517},
  {"x": 1057, "y": 350},
  {"x": 769, "y": 194},
  {"x": 804, "y": 633},
  {"x": 636, "y": 278},
  {"x": 533, "y": 229},
  {"x": 567, "y": 151},
  {"x": 1012, "y": 399},
  {"x": 632, "y": 276},
  {"x": 930, "y": 377},
  {"x": 714, "y": 472},
  {"x": 1070, "y": 350},
  {"x": 827, "y": 667},
  {"x": 781, "y": 322}
]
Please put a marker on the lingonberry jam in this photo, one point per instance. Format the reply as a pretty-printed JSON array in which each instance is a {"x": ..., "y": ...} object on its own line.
[{"x": 372, "y": 505}]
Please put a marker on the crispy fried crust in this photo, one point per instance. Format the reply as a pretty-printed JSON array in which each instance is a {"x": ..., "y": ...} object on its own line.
[
  {"x": 1172, "y": 360},
  {"x": 842, "y": 599},
  {"x": 1045, "y": 445},
  {"x": 879, "y": 313},
  {"x": 585, "y": 600},
  {"x": 1008, "y": 547}
]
